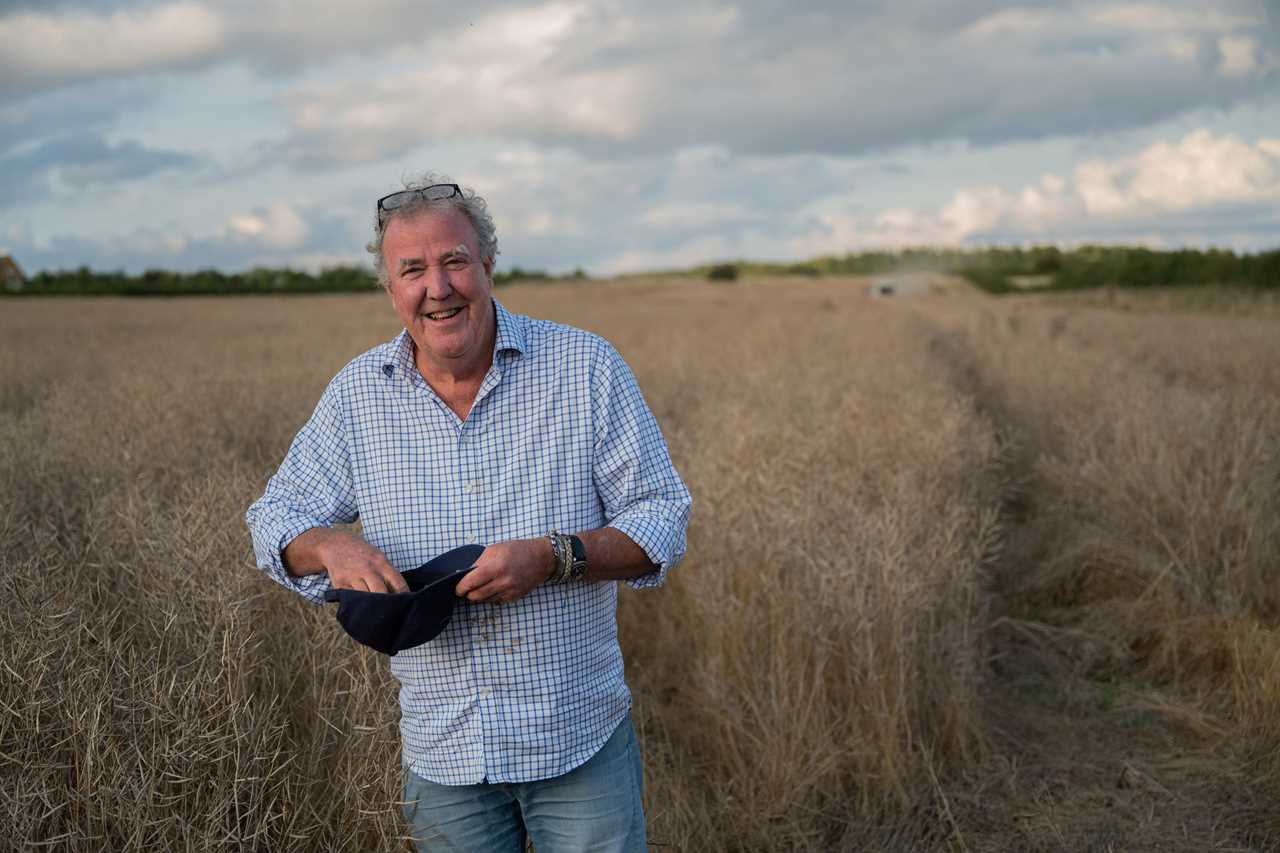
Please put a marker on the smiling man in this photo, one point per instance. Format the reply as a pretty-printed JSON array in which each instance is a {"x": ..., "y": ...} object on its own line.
[{"x": 476, "y": 425}]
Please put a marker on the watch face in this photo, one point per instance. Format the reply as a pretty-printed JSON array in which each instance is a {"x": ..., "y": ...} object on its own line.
[{"x": 579, "y": 552}]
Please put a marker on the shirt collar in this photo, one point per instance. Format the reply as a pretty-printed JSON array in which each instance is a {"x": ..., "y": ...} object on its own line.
[{"x": 509, "y": 339}]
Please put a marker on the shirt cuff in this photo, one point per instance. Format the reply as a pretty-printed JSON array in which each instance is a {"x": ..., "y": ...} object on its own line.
[
  {"x": 269, "y": 549},
  {"x": 655, "y": 537}
]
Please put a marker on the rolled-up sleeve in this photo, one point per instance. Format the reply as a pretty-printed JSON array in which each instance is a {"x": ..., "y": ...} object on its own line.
[
  {"x": 313, "y": 488},
  {"x": 642, "y": 494}
]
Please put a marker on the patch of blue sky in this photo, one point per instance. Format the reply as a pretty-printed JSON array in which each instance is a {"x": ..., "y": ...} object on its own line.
[{"x": 220, "y": 113}]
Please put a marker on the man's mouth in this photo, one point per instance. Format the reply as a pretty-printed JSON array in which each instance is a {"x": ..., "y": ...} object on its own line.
[{"x": 443, "y": 315}]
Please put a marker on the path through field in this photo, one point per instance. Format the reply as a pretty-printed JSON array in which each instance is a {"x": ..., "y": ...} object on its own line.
[{"x": 1089, "y": 749}]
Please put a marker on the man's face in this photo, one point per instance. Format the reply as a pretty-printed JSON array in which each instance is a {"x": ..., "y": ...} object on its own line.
[{"x": 441, "y": 288}]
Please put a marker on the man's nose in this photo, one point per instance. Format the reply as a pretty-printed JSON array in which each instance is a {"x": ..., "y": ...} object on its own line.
[{"x": 438, "y": 284}]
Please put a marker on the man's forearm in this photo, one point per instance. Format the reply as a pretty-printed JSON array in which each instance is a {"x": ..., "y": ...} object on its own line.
[
  {"x": 351, "y": 562},
  {"x": 613, "y": 556}
]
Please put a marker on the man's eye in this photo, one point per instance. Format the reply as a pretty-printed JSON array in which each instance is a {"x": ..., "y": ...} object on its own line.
[
  {"x": 457, "y": 264},
  {"x": 411, "y": 270}
]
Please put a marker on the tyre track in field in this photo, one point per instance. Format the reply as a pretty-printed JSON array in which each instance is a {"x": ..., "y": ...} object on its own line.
[{"x": 1077, "y": 759}]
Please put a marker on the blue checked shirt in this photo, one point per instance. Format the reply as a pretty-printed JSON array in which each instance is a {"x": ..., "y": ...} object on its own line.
[{"x": 559, "y": 438}]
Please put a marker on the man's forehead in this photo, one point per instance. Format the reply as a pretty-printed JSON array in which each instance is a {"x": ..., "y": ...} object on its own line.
[{"x": 435, "y": 232}]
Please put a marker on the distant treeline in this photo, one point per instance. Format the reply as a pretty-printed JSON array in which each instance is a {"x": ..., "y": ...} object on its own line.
[
  {"x": 84, "y": 281},
  {"x": 996, "y": 270},
  {"x": 1003, "y": 270},
  {"x": 1000, "y": 270}
]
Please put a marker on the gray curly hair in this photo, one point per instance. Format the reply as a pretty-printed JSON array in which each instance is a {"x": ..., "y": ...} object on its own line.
[{"x": 471, "y": 204}]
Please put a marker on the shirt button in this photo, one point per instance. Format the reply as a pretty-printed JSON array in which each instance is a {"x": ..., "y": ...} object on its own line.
[
  {"x": 484, "y": 693},
  {"x": 473, "y": 539}
]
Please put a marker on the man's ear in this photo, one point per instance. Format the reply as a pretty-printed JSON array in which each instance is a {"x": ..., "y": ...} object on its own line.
[{"x": 488, "y": 268}]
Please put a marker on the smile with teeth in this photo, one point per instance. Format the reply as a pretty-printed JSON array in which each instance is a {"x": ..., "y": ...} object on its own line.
[{"x": 443, "y": 315}]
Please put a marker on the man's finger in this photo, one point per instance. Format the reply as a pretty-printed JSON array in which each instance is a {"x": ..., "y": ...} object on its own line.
[
  {"x": 395, "y": 581},
  {"x": 487, "y": 592},
  {"x": 382, "y": 580},
  {"x": 473, "y": 580}
]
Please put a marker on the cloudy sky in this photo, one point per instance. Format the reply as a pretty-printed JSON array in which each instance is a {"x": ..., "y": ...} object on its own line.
[{"x": 632, "y": 134}]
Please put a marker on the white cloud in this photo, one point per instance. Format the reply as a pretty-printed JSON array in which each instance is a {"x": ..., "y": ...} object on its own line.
[
  {"x": 1199, "y": 171},
  {"x": 1239, "y": 55},
  {"x": 537, "y": 29},
  {"x": 541, "y": 222},
  {"x": 1016, "y": 20},
  {"x": 278, "y": 226},
  {"x": 1096, "y": 184},
  {"x": 688, "y": 215},
  {"x": 1138, "y": 19},
  {"x": 520, "y": 90},
  {"x": 155, "y": 242},
  {"x": 1183, "y": 48},
  {"x": 313, "y": 262},
  {"x": 65, "y": 45},
  {"x": 689, "y": 253},
  {"x": 18, "y": 232},
  {"x": 1155, "y": 18},
  {"x": 1197, "y": 175}
]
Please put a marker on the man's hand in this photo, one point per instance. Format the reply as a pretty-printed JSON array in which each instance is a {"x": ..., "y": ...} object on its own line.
[
  {"x": 508, "y": 571},
  {"x": 351, "y": 562}
]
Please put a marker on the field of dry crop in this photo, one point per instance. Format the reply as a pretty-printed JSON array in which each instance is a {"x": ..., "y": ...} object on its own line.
[{"x": 964, "y": 574}]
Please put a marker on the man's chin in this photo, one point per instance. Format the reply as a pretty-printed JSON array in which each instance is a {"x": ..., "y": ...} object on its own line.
[{"x": 444, "y": 346}]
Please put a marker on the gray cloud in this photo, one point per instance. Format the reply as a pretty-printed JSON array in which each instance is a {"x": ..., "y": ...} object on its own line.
[
  {"x": 620, "y": 78},
  {"x": 8, "y": 7},
  {"x": 615, "y": 81},
  {"x": 93, "y": 107},
  {"x": 64, "y": 44},
  {"x": 77, "y": 160},
  {"x": 69, "y": 42}
]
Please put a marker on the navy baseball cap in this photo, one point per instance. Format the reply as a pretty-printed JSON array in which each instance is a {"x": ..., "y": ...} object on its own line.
[{"x": 393, "y": 621}]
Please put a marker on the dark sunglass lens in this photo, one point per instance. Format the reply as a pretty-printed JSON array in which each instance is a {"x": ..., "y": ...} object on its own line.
[
  {"x": 395, "y": 200},
  {"x": 439, "y": 192}
]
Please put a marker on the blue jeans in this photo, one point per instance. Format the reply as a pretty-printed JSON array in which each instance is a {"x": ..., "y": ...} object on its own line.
[{"x": 595, "y": 807}]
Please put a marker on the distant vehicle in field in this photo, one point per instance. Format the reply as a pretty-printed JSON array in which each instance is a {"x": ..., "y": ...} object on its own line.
[{"x": 883, "y": 287}]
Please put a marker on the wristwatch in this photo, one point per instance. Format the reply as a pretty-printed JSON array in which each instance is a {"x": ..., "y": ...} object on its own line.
[{"x": 578, "y": 565}]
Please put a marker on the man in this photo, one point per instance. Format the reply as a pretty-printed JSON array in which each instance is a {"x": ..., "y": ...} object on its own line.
[{"x": 476, "y": 425}]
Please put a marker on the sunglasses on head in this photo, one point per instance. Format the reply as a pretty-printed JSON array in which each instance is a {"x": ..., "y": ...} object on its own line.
[{"x": 398, "y": 199}]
